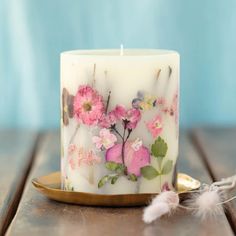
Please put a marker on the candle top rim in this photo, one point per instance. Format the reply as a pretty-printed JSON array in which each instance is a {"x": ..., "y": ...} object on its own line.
[{"x": 116, "y": 52}]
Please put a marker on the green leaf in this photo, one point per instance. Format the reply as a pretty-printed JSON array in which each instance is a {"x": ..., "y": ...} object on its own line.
[
  {"x": 149, "y": 172},
  {"x": 111, "y": 165},
  {"x": 159, "y": 148},
  {"x": 103, "y": 180},
  {"x": 120, "y": 169},
  {"x": 132, "y": 177},
  {"x": 114, "y": 179},
  {"x": 166, "y": 169}
]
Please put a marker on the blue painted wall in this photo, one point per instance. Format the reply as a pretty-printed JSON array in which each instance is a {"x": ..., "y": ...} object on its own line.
[{"x": 33, "y": 33}]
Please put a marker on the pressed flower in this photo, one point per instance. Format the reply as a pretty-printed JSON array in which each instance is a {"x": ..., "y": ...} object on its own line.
[
  {"x": 88, "y": 105},
  {"x": 133, "y": 117},
  {"x": 144, "y": 101},
  {"x": 136, "y": 101},
  {"x": 71, "y": 149},
  {"x": 137, "y": 144},
  {"x": 172, "y": 110},
  {"x": 107, "y": 120},
  {"x": 166, "y": 110},
  {"x": 165, "y": 187},
  {"x": 67, "y": 105},
  {"x": 160, "y": 101},
  {"x": 72, "y": 156},
  {"x": 129, "y": 117},
  {"x": 148, "y": 102},
  {"x": 78, "y": 156},
  {"x": 174, "y": 107},
  {"x": 120, "y": 112},
  {"x": 155, "y": 126},
  {"x": 90, "y": 158},
  {"x": 105, "y": 139},
  {"x": 133, "y": 160},
  {"x": 87, "y": 157}
]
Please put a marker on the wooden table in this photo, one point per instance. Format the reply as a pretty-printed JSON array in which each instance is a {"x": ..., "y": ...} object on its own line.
[{"x": 206, "y": 154}]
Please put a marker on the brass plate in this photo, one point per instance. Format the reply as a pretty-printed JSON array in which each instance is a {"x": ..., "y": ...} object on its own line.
[{"x": 49, "y": 185}]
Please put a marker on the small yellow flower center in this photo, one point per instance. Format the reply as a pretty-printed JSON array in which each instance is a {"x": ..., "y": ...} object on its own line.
[{"x": 87, "y": 106}]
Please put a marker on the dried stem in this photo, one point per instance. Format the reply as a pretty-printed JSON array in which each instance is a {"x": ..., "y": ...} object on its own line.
[
  {"x": 116, "y": 131},
  {"x": 129, "y": 132},
  {"x": 108, "y": 100},
  {"x": 123, "y": 146},
  {"x": 105, "y": 72},
  {"x": 170, "y": 71},
  {"x": 158, "y": 74},
  {"x": 74, "y": 134},
  {"x": 94, "y": 75},
  {"x": 124, "y": 140}
]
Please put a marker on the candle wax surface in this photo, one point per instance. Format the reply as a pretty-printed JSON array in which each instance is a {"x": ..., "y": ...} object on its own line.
[{"x": 119, "y": 120}]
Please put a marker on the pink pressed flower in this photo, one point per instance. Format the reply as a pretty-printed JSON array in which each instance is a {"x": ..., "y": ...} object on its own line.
[
  {"x": 120, "y": 112},
  {"x": 107, "y": 120},
  {"x": 71, "y": 149},
  {"x": 105, "y": 139},
  {"x": 165, "y": 187},
  {"x": 155, "y": 126},
  {"x": 72, "y": 153},
  {"x": 89, "y": 159},
  {"x": 133, "y": 116},
  {"x": 72, "y": 163},
  {"x": 79, "y": 156},
  {"x": 130, "y": 117},
  {"x": 134, "y": 160},
  {"x": 161, "y": 101},
  {"x": 174, "y": 107},
  {"x": 88, "y": 105}
]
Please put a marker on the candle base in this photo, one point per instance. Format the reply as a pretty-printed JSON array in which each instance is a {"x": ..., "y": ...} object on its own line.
[{"x": 49, "y": 186}]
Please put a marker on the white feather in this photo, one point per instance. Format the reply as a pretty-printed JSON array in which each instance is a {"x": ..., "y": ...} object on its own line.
[
  {"x": 155, "y": 211},
  {"x": 169, "y": 197},
  {"x": 208, "y": 204},
  {"x": 162, "y": 204}
]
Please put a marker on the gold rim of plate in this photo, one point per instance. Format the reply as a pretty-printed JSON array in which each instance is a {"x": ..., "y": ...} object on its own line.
[{"x": 49, "y": 185}]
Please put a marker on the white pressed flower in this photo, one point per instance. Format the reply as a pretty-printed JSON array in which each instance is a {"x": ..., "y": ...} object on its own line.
[{"x": 137, "y": 144}]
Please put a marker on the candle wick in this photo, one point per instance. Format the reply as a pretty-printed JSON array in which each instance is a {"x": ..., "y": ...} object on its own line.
[{"x": 121, "y": 50}]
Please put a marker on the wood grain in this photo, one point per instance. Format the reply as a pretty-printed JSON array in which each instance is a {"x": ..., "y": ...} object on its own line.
[
  {"x": 37, "y": 215},
  {"x": 15, "y": 158},
  {"x": 218, "y": 149}
]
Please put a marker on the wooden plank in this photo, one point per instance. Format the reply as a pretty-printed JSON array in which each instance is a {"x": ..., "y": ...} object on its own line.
[
  {"x": 15, "y": 158},
  {"x": 37, "y": 215},
  {"x": 218, "y": 149}
]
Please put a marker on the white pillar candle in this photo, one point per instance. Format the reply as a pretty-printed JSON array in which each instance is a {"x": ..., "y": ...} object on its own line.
[{"x": 119, "y": 120}]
